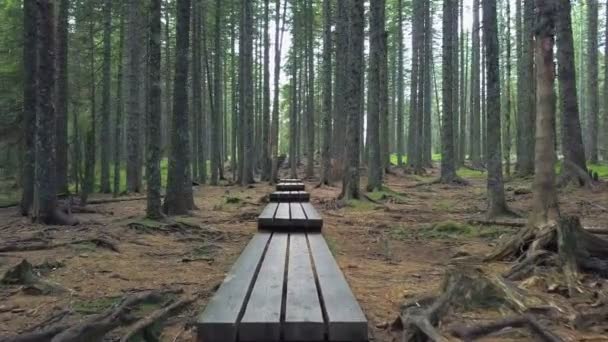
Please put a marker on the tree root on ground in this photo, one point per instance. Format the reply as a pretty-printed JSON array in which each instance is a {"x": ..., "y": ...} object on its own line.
[
  {"x": 464, "y": 288},
  {"x": 589, "y": 252},
  {"x": 159, "y": 315},
  {"x": 40, "y": 244},
  {"x": 23, "y": 274}
]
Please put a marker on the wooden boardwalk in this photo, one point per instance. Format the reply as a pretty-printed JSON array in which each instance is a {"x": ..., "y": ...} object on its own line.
[{"x": 286, "y": 285}]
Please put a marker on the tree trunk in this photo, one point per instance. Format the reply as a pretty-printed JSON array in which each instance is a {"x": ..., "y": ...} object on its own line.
[
  {"x": 497, "y": 204},
  {"x": 414, "y": 83},
  {"x": 377, "y": 77},
  {"x": 544, "y": 204},
  {"x": 278, "y": 37},
  {"x": 246, "y": 98},
  {"x": 105, "y": 97},
  {"x": 310, "y": 99},
  {"x": 427, "y": 102},
  {"x": 179, "y": 199},
  {"x": 217, "y": 105},
  {"x": 30, "y": 62},
  {"x": 119, "y": 107},
  {"x": 89, "y": 154},
  {"x": 133, "y": 107},
  {"x": 356, "y": 26},
  {"x": 525, "y": 96},
  {"x": 592, "y": 80},
  {"x": 448, "y": 166},
  {"x": 61, "y": 102},
  {"x": 153, "y": 150},
  {"x": 507, "y": 120},
  {"x": 474, "y": 137},
  {"x": 572, "y": 141},
  {"x": 45, "y": 200},
  {"x": 327, "y": 93},
  {"x": 266, "y": 161},
  {"x": 340, "y": 109}
]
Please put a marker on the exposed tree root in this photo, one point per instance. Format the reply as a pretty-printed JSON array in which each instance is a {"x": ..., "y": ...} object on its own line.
[
  {"x": 159, "y": 315},
  {"x": 515, "y": 224},
  {"x": 525, "y": 321},
  {"x": 95, "y": 328},
  {"x": 39, "y": 244},
  {"x": 23, "y": 274},
  {"x": 465, "y": 288}
]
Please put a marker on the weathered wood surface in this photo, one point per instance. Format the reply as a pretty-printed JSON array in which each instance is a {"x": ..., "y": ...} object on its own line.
[
  {"x": 290, "y": 196},
  {"x": 290, "y": 216},
  {"x": 346, "y": 321},
  {"x": 290, "y": 180},
  {"x": 219, "y": 320},
  {"x": 262, "y": 318},
  {"x": 284, "y": 287},
  {"x": 290, "y": 187}
]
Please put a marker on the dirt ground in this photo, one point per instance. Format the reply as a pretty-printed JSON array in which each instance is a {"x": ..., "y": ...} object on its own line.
[{"x": 390, "y": 250}]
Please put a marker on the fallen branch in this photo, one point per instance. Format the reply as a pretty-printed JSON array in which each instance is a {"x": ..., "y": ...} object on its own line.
[
  {"x": 36, "y": 336},
  {"x": 156, "y": 316},
  {"x": 516, "y": 224}
]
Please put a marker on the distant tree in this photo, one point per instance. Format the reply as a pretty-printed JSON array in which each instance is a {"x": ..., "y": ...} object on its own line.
[
  {"x": 448, "y": 163},
  {"x": 179, "y": 199},
  {"x": 376, "y": 105},
  {"x": 30, "y": 62},
  {"x": 544, "y": 205},
  {"x": 133, "y": 105},
  {"x": 497, "y": 204},
  {"x": 153, "y": 149},
  {"x": 340, "y": 111},
  {"x": 278, "y": 37},
  {"x": 572, "y": 141},
  {"x": 400, "y": 100},
  {"x": 61, "y": 101},
  {"x": 326, "y": 93},
  {"x": 356, "y": 25},
  {"x": 246, "y": 126},
  {"x": 105, "y": 97},
  {"x": 88, "y": 185},
  {"x": 475, "y": 138},
  {"x": 118, "y": 126},
  {"x": 525, "y": 96},
  {"x": 592, "y": 79},
  {"x": 310, "y": 98},
  {"x": 266, "y": 160}
]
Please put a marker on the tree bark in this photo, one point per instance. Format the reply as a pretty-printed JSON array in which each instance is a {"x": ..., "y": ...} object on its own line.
[
  {"x": 356, "y": 25},
  {"x": 497, "y": 204},
  {"x": 179, "y": 199},
  {"x": 118, "y": 146},
  {"x": 30, "y": 64},
  {"x": 592, "y": 80},
  {"x": 105, "y": 97},
  {"x": 133, "y": 107},
  {"x": 246, "y": 91},
  {"x": 544, "y": 204},
  {"x": 474, "y": 137},
  {"x": 448, "y": 166},
  {"x": 153, "y": 150},
  {"x": 377, "y": 77},
  {"x": 310, "y": 99},
  {"x": 61, "y": 102},
  {"x": 525, "y": 96},
  {"x": 266, "y": 160},
  {"x": 572, "y": 140},
  {"x": 327, "y": 93}
]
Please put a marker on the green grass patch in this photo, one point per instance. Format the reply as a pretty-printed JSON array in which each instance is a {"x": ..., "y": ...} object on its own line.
[
  {"x": 449, "y": 230},
  {"x": 470, "y": 174},
  {"x": 395, "y": 160},
  {"x": 386, "y": 194},
  {"x": 94, "y": 306},
  {"x": 360, "y": 205}
]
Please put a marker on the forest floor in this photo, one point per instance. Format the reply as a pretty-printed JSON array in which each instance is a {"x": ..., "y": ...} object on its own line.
[{"x": 391, "y": 250}]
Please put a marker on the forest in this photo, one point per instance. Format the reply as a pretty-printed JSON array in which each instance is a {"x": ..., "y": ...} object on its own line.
[{"x": 457, "y": 151}]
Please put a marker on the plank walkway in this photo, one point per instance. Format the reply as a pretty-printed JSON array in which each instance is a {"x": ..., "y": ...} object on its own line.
[{"x": 286, "y": 285}]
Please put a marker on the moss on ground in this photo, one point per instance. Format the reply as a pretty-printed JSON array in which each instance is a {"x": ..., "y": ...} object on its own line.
[{"x": 449, "y": 230}]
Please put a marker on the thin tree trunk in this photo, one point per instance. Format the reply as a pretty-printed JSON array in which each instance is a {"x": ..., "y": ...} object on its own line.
[
  {"x": 119, "y": 107},
  {"x": 61, "y": 102},
  {"x": 525, "y": 96},
  {"x": 497, "y": 204},
  {"x": 275, "y": 102},
  {"x": 105, "y": 97},
  {"x": 89, "y": 155},
  {"x": 266, "y": 161},
  {"x": 246, "y": 98},
  {"x": 327, "y": 93},
  {"x": 377, "y": 77},
  {"x": 448, "y": 166},
  {"x": 544, "y": 205},
  {"x": 310, "y": 100},
  {"x": 30, "y": 63},
  {"x": 133, "y": 107},
  {"x": 179, "y": 199},
  {"x": 153, "y": 181},
  {"x": 592, "y": 79},
  {"x": 474, "y": 137},
  {"x": 356, "y": 26},
  {"x": 414, "y": 83},
  {"x": 572, "y": 140},
  {"x": 507, "y": 120}
]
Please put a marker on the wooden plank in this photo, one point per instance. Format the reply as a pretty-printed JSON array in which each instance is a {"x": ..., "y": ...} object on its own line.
[
  {"x": 218, "y": 322},
  {"x": 297, "y": 214},
  {"x": 267, "y": 216},
  {"x": 314, "y": 219},
  {"x": 290, "y": 180},
  {"x": 346, "y": 321},
  {"x": 262, "y": 318},
  {"x": 302, "y": 196},
  {"x": 290, "y": 186},
  {"x": 281, "y": 217},
  {"x": 278, "y": 196},
  {"x": 303, "y": 315}
]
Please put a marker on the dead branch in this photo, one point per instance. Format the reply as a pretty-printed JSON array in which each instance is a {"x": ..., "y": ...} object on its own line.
[
  {"x": 156, "y": 316},
  {"x": 516, "y": 224}
]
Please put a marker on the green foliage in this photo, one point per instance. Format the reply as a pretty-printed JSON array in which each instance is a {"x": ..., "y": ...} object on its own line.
[
  {"x": 471, "y": 174},
  {"x": 360, "y": 205},
  {"x": 94, "y": 306}
]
